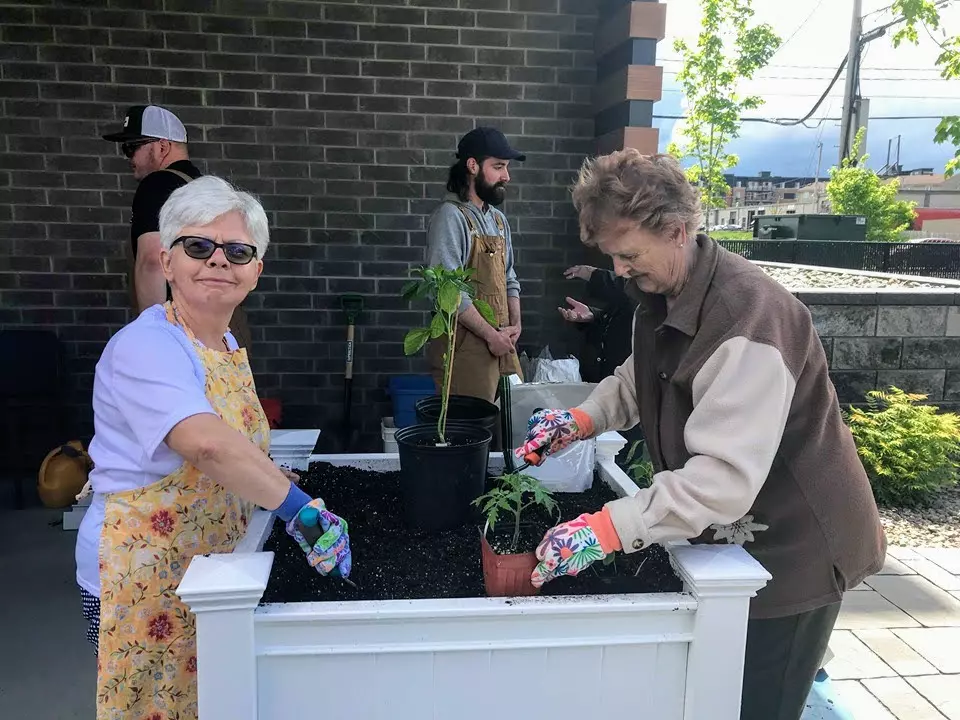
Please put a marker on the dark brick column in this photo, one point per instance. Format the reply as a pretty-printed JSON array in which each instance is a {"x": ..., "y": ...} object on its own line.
[{"x": 629, "y": 81}]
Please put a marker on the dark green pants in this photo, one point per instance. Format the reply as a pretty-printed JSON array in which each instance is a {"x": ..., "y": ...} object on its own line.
[{"x": 782, "y": 659}]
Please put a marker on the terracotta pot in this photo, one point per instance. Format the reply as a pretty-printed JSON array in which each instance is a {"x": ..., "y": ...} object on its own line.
[
  {"x": 506, "y": 575},
  {"x": 63, "y": 474}
]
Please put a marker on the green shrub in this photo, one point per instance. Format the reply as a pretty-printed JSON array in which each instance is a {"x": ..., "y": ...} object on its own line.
[{"x": 909, "y": 451}]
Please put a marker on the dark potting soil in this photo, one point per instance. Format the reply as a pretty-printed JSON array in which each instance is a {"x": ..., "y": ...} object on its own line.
[
  {"x": 393, "y": 562},
  {"x": 501, "y": 537}
]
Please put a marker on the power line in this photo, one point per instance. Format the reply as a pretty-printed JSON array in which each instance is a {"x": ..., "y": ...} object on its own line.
[
  {"x": 872, "y": 96},
  {"x": 799, "y": 28},
  {"x": 826, "y": 67},
  {"x": 780, "y": 121},
  {"x": 823, "y": 77}
]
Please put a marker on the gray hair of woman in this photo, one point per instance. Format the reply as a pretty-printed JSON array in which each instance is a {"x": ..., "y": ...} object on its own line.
[
  {"x": 648, "y": 190},
  {"x": 202, "y": 201}
]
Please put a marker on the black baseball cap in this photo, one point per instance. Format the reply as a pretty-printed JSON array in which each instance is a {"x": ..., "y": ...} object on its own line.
[
  {"x": 149, "y": 121},
  {"x": 487, "y": 142}
]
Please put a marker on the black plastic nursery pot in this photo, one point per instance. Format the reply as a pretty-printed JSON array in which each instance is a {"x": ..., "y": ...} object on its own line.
[
  {"x": 438, "y": 483},
  {"x": 463, "y": 409}
]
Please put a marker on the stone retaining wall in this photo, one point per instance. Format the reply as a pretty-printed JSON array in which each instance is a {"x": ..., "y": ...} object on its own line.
[{"x": 876, "y": 339}]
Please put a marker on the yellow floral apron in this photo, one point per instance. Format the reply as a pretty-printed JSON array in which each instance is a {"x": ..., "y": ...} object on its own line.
[{"x": 147, "y": 660}]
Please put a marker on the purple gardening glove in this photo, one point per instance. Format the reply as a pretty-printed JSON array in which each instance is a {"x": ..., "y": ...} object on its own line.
[{"x": 323, "y": 537}]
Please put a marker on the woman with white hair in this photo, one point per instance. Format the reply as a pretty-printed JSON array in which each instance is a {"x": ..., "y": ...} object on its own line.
[{"x": 180, "y": 456}]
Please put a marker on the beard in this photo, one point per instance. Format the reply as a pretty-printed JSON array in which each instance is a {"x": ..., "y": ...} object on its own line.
[{"x": 490, "y": 194}]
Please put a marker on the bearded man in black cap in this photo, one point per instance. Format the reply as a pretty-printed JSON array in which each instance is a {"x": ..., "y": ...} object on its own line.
[
  {"x": 468, "y": 230},
  {"x": 154, "y": 141}
]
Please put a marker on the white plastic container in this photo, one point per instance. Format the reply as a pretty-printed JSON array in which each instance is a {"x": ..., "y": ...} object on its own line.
[
  {"x": 670, "y": 656},
  {"x": 387, "y": 431}
]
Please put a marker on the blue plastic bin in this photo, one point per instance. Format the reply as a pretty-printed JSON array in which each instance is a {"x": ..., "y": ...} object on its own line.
[{"x": 405, "y": 390}]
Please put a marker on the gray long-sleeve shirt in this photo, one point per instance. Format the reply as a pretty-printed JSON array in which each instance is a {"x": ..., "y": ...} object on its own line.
[{"x": 450, "y": 242}]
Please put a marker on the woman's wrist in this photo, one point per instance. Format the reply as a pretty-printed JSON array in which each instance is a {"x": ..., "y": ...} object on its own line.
[
  {"x": 584, "y": 423},
  {"x": 291, "y": 505}
]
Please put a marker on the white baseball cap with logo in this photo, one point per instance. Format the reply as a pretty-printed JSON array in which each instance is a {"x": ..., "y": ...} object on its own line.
[{"x": 149, "y": 121}]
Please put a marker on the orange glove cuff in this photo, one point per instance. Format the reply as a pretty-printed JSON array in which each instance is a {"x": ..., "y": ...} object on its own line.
[
  {"x": 602, "y": 526},
  {"x": 584, "y": 423}
]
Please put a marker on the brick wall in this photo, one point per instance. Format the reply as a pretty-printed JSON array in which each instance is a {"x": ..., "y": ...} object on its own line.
[
  {"x": 875, "y": 340},
  {"x": 343, "y": 117}
]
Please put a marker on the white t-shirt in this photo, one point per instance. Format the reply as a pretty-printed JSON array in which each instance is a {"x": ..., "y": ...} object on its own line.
[{"x": 148, "y": 379}]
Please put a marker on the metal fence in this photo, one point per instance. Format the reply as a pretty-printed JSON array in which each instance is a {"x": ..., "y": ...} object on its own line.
[{"x": 941, "y": 260}]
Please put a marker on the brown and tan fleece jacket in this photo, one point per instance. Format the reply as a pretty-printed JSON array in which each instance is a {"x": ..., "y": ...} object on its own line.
[{"x": 745, "y": 432}]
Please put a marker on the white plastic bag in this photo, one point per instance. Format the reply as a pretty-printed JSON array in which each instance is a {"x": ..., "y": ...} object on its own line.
[
  {"x": 549, "y": 370},
  {"x": 570, "y": 470},
  {"x": 527, "y": 398}
]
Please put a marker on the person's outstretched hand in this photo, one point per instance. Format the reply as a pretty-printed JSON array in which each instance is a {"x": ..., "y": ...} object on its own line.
[
  {"x": 577, "y": 312},
  {"x": 323, "y": 537},
  {"x": 583, "y": 272},
  {"x": 573, "y": 546}
]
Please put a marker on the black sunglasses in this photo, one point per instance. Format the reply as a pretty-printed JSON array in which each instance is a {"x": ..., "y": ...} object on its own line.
[
  {"x": 201, "y": 248},
  {"x": 130, "y": 148}
]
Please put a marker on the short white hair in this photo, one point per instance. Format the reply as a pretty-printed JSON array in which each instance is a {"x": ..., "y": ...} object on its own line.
[{"x": 202, "y": 201}]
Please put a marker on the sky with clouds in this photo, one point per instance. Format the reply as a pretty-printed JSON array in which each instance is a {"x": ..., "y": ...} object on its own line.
[{"x": 899, "y": 82}]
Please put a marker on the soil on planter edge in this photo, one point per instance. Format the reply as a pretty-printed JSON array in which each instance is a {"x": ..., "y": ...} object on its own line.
[{"x": 392, "y": 562}]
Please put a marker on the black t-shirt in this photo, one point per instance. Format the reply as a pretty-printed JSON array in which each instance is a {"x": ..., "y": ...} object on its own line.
[{"x": 151, "y": 194}]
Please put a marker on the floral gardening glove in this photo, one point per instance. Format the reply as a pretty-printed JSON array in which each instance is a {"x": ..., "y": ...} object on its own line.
[
  {"x": 573, "y": 546},
  {"x": 550, "y": 431},
  {"x": 323, "y": 537}
]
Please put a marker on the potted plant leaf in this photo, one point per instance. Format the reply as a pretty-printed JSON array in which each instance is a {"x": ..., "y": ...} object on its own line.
[
  {"x": 443, "y": 465},
  {"x": 444, "y": 406},
  {"x": 506, "y": 567}
]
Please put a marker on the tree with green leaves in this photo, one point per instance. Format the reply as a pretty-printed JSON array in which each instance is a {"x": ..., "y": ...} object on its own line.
[
  {"x": 854, "y": 189},
  {"x": 444, "y": 288},
  {"x": 728, "y": 51},
  {"x": 925, "y": 13}
]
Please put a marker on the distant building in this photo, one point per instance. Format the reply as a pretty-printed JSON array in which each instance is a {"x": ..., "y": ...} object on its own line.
[{"x": 763, "y": 189}]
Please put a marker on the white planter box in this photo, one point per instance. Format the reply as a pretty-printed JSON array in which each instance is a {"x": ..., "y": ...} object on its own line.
[
  {"x": 293, "y": 448},
  {"x": 670, "y": 656}
]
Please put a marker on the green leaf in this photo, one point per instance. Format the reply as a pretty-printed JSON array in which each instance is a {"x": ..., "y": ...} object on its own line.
[
  {"x": 415, "y": 340},
  {"x": 486, "y": 312},
  {"x": 437, "y": 326},
  {"x": 449, "y": 299},
  {"x": 409, "y": 290}
]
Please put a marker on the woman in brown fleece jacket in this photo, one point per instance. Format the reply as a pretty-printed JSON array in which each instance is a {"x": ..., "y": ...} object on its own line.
[{"x": 730, "y": 384}]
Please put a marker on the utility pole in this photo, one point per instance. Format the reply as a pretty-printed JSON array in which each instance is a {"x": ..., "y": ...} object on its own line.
[
  {"x": 850, "y": 87},
  {"x": 861, "y": 118},
  {"x": 817, "y": 183},
  {"x": 856, "y": 110}
]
